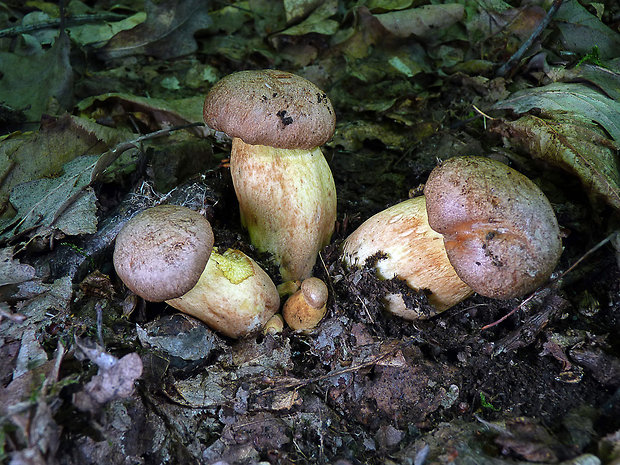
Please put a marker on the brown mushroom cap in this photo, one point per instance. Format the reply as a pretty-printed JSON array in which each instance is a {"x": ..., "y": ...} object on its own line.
[
  {"x": 161, "y": 252},
  {"x": 315, "y": 292},
  {"x": 270, "y": 107},
  {"x": 500, "y": 232}
]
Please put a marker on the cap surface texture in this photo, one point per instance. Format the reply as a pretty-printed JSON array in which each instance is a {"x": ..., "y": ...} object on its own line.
[
  {"x": 499, "y": 229},
  {"x": 270, "y": 107},
  {"x": 161, "y": 252}
]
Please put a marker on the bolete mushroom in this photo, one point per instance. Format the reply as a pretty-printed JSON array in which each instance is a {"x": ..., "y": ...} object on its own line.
[
  {"x": 481, "y": 226},
  {"x": 499, "y": 230},
  {"x": 406, "y": 247},
  {"x": 307, "y": 306},
  {"x": 166, "y": 253},
  {"x": 284, "y": 186}
]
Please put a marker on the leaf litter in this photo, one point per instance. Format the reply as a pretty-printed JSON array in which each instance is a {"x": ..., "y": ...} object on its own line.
[{"x": 364, "y": 386}]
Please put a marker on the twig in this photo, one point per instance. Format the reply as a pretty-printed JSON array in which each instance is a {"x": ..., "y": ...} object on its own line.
[
  {"x": 507, "y": 67},
  {"x": 353, "y": 368},
  {"x": 571, "y": 268}
]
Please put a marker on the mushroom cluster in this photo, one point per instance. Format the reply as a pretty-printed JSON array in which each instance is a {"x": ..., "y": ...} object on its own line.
[
  {"x": 480, "y": 227},
  {"x": 166, "y": 253},
  {"x": 284, "y": 185}
]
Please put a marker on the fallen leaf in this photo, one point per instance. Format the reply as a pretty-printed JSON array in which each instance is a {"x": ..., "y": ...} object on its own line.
[
  {"x": 11, "y": 271},
  {"x": 40, "y": 203},
  {"x": 98, "y": 34},
  {"x": 115, "y": 379},
  {"x": 298, "y": 9},
  {"x": 572, "y": 144},
  {"x": 570, "y": 98},
  {"x": 581, "y": 31},
  {"x": 28, "y": 156},
  {"x": 161, "y": 113},
  {"x": 168, "y": 31},
  {"x": 38, "y": 83},
  {"x": 318, "y": 22},
  {"x": 607, "y": 80},
  {"x": 422, "y": 22}
]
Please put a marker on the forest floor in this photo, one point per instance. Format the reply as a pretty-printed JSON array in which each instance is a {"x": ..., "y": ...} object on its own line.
[{"x": 92, "y": 374}]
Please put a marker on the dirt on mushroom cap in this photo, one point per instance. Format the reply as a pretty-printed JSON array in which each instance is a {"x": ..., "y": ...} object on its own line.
[{"x": 270, "y": 107}]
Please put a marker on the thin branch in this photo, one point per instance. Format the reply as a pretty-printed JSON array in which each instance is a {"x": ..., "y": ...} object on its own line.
[
  {"x": 55, "y": 23},
  {"x": 507, "y": 67}
]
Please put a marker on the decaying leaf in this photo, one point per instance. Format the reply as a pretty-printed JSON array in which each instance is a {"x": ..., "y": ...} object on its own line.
[
  {"x": 29, "y": 156},
  {"x": 606, "y": 79},
  {"x": 161, "y": 113},
  {"x": 573, "y": 144},
  {"x": 318, "y": 22},
  {"x": 422, "y": 22},
  {"x": 115, "y": 379},
  {"x": 570, "y": 98},
  {"x": 98, "y": 34},
  {"x": 40, "y": 203},
  {"x": 168, "y": 31},
  {"x": 11, "y": 271}
]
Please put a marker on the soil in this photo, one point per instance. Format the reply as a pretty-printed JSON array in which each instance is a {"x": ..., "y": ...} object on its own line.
[{"x": 365, "y": 386}]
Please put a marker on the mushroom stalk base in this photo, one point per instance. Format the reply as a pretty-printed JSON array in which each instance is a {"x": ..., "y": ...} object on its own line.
[
  {"x": 287, "y": 200},
  {"x": 413, "y": 252}
]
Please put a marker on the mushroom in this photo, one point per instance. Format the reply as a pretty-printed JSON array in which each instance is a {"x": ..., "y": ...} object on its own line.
[
  {"x": 306, "y": 307},
  {"x": 406, "y": 247},
  {"x": 499, "y": 230},
  {"x": 481, "y": 226},
  {"x": 166, "y": 253},
  {"x": 285, "y": 189}
]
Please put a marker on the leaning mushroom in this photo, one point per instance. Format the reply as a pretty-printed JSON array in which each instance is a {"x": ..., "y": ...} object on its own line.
[
  {"x": 480, "y": 226},
  {"x": 284, "y": 186},
  {"x": 166, "y": 253},
  {"x": 406, "y": 247}
]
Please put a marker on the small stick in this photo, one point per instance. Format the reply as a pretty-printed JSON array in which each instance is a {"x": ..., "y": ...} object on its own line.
[{"x": 507, "y": 67}]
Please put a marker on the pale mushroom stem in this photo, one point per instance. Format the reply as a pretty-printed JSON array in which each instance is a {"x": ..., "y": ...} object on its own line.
[{"x": 287, "y": 200}]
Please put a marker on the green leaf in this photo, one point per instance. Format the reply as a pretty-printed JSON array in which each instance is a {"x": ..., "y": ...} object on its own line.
[
  {"x": 570, "y": 98},
  {"x": 37, "y": 83},
  {"x": 41, "y": 203},
  {"x": 573, "y": 144},
  {"x": 581, "y": 31}
]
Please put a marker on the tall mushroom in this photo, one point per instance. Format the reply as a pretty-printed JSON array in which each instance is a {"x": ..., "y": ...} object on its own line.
[
  {"x": 284, "y": 186},
  {"x": 166, "y": 253}
]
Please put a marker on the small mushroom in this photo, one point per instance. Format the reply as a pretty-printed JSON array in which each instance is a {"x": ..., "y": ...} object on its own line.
[
  {"x": 284, "y": 185},
  {"x": 165, "y": 253},
  {"x": 306, "y": 307},
  {"x": 406, "y": 247},
  {"x": 274, "y": 326}
]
